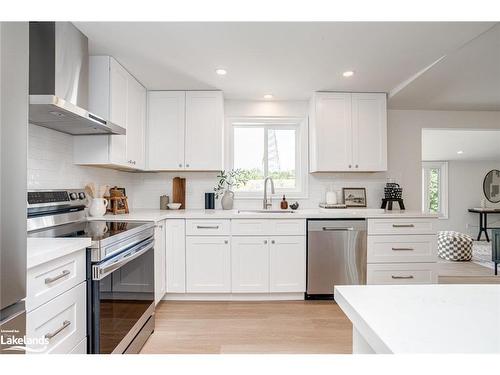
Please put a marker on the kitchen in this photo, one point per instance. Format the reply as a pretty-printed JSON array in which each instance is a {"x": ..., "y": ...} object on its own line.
[{"x": 162, "y": 203}]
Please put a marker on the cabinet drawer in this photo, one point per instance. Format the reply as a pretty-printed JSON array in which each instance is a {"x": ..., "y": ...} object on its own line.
[
  {"x": 409, "y": 248},
  {"x": 268, "y": 227},
  {"x": 401, "y": 273},
  {"x": 401, "y": 226},
  {"x": 50, "y": 279},
  {"x": 62, "y": 321},
  {"x": 207, "y": 227}
]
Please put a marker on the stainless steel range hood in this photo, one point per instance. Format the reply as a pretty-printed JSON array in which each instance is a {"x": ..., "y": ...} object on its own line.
[{"x": 59, "y": 73}]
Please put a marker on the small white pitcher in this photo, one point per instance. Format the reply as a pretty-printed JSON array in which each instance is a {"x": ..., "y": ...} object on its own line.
[{"x": 97, "y": 207}]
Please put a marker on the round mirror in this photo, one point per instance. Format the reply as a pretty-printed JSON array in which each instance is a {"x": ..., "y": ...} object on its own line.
[{"x": 491, "y": 186}]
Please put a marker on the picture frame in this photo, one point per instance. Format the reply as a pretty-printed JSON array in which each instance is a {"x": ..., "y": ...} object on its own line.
[{"x": 354, "y": 197}]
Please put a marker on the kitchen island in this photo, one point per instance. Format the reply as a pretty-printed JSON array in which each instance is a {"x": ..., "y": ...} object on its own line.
[{"x": 422, "y": 318}]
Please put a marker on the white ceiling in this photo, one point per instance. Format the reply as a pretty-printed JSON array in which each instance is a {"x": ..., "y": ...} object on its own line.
[
  {"x": 466, "y": 79},
  {"x": 443, "y": 144},
  {"x": 290, "y": 60}
]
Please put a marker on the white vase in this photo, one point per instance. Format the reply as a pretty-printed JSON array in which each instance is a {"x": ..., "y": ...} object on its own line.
[
  {"x": 227, "y": 200},
  {"x": 97, "y": 207}
]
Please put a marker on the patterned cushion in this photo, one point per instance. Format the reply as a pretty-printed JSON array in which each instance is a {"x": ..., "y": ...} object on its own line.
[{"x": 454, "y": 246}]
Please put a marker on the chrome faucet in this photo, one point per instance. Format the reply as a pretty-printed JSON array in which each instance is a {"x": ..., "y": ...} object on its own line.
[{"x": 267, "y": 204}]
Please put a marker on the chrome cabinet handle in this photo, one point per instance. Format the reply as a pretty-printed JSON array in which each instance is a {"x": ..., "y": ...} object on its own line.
[
  {"x": 207, "y": 226},
  {"x": 265, "y": 242},
  {"x": 226, "y": 242},
  {"x": 50, "y": 280},
  {"x": 402, "y": 277},
  {"x": 338, "y": 229},
  {"x": 402, "y": 249},
  {"x": 350, "y": 166},
  {"x": 356, "y": 166},
  {"x": 403, "y": 225},
  {"x": 51, "y": 335},
  {"x": 187, "y": 165},
  {"x": 272, "y": 241},
  {"x": 180, "y": 165}
]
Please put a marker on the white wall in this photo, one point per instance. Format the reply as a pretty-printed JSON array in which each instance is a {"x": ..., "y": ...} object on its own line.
[
  {"x": 405, "y": 143},
  {"x": 465, "y": 180}
]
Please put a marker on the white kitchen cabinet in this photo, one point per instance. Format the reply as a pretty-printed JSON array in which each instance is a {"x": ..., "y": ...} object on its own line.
[
  {"x": 165, "y": 130},
  {"x": 250, "y": 264},
  {"x": 117, "y": 96},
  {"x": 175, "y": 242},
  {"x": 208, "y": 264},
  {"x": 185, "y": 130},
  {"x": 348, "y": 132},
  {"x": 204, "y": 143},
  {"x": 287, "y": 264},
  {"x": 160, "y": 261}
]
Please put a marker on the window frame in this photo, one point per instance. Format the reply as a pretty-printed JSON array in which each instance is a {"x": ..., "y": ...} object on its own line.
[
  {"x": 443, "y": 186},
  {"x": 301, "y": 150}
]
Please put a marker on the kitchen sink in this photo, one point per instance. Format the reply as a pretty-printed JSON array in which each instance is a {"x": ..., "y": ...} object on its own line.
[{"x": 265, "y": 212}]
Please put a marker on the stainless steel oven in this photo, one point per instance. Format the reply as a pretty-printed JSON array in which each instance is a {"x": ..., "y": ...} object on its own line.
[{"x": 122, "y": 299}]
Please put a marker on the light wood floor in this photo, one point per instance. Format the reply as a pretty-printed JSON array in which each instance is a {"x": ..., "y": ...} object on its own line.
[
  {"x": 465, "y": 273},
  {"x": 250, "y": 327}
]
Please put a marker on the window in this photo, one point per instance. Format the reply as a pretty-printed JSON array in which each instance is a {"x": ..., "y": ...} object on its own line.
[
  {"x": 435, "y": 188},
  {"x": 270, "y": 147}
]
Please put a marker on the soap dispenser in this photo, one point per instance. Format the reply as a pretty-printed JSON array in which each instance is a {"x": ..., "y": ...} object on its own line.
[{"x": 284, "y": 203}]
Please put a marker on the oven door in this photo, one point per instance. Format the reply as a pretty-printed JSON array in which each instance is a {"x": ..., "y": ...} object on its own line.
[{"x": 122, "y": 298}]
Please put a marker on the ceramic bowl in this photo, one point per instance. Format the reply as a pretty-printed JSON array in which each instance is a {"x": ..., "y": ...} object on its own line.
[{"x": 174, "y": 206}]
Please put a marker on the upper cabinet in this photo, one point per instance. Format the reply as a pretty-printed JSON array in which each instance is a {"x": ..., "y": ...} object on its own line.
[
  {"x": 185, "y": 130},
  {"x": 348, "y": 132},
  {"x": 114, "y": 94}
]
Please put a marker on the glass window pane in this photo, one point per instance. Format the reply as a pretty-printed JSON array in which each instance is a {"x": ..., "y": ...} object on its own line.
[
  {"x": 281, "y": 157},
  {"x": 249, "y": 156},
  {"x": 434, "y": 188}
]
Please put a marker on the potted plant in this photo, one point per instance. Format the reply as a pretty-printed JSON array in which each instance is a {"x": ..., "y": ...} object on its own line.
[{"x": 226, "y": 181}]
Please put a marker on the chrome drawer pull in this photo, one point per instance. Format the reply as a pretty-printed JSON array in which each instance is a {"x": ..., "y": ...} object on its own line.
[
  {"x": 207, "y": 226},
  {"x": 338, "y": 229},
  {"x": 402, "y": 277},
  {"x": 402, "y": 249},
  {"x": 66, "y": 324},
  {"x": 403, "y": 225},
  {"x": 50, "y": 280}
]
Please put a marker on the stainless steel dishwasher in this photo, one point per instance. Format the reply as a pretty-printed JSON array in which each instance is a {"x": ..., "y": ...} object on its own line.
[{"x": 336, "y": 255}]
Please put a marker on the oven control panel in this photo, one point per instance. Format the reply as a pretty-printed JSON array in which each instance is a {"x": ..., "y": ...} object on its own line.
[{"x": 74, "y": 197}]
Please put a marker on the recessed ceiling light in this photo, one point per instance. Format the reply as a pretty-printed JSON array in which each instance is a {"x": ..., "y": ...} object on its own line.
[
  {"x": 460, "y": 152},
  {"x": 221, "y": 72},
  {"x": 268, "y": 96},
  {"x": 348, "y": 73}
]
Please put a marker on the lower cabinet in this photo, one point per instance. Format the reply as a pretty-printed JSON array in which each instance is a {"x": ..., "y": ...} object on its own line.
[
  {"x": 208, "y": 264},
  {"x": 268, "y": 264},
  {"x": 288, "y": 264},
  {"x": 250, "y": 265},
  {"x": 175, "y": 246},
  {"x": 160, "y": 262}
]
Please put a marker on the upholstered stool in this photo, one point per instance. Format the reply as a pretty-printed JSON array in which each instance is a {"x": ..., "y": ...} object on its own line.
[{"x": 454, "y": 246}]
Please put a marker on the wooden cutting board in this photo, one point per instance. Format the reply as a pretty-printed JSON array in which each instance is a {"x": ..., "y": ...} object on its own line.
[{"x": 179, "y": 191}]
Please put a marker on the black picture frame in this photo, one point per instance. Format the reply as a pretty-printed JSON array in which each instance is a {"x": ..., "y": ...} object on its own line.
[{"x": 353, "y": 202}]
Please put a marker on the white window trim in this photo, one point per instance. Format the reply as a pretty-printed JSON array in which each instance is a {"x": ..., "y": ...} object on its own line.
[
  {"x": 443, "y": 191},
  {"x": 301, "y": 151}
]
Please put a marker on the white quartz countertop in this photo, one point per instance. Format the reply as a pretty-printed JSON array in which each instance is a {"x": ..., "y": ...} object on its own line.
[
  {"x": 425, "y": 318},
  {"x": 43, "y": 250},
  {"x": 158, "y": 215}
]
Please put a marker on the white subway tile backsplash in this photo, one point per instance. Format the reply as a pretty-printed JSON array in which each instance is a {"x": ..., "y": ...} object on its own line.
[{"x": 50, "y": 166}]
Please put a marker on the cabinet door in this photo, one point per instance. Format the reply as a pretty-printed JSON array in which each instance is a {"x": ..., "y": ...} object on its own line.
[
  {"x": 118, "y": 105},
  {"x": 165, "y": 134},
  {"x": 160, "y": 263},
  {"x": 288, "y": 264},
  {"x": 204, "y": 130},
  {"x": 136, "y": 122},
  {"x": 369, "y": 128},
  {"x": 176, "y": 255},
  {"x": 250, "y": 264},
  {"x": 330, "y": 133},
  {"x": 208, "y": 265}
]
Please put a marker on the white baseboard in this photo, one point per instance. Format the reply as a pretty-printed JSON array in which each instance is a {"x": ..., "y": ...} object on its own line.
[{"x": 234, "y": 297}]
